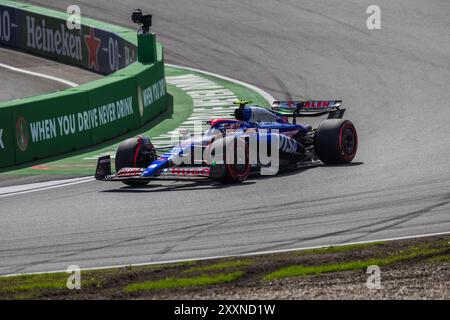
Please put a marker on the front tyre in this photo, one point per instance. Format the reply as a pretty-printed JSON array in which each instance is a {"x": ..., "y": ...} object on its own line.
[
  {"x": 336, "y": 141},
  {"x": 136, "y": 152}
]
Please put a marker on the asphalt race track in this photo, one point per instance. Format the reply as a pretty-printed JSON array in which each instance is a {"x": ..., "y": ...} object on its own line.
[{"x": 394, "y": 81}]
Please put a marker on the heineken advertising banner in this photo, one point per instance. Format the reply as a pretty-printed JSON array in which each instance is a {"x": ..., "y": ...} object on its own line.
[{"x": 89, "y": 47}]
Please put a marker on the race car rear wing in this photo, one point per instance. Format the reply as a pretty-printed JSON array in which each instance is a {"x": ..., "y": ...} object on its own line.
[{"x": 296, "y": 109}]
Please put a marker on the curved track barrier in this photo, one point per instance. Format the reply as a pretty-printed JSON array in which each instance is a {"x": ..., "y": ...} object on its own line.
[{"x": 131, "y": 95}]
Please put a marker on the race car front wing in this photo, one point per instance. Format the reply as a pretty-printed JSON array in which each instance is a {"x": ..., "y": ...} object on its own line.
[{"x": 104, "y": 172}]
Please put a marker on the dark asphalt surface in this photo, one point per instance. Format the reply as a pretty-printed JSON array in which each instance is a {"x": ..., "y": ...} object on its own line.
[
  {"x": 395, "y": 83},
  {"x": 15, "y": 85}
]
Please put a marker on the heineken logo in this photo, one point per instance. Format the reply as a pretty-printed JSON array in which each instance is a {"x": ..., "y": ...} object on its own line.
[
  {"x": 2, "y": 146},
  {"x": 59, "y": 41},
  {"x": 140, "y": 101},
  {"x": 93, "y": 44},
  {"x": 22, "y": 137}
]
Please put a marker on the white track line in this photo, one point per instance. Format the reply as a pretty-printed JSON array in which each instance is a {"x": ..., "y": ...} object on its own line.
[
  {"x": 236, "y": 255},
  {"x": 40, "y": 75},
  {"x": 41, "y": 186}
]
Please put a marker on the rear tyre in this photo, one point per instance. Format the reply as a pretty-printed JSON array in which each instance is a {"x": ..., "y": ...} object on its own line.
[
  {"x": 336, "y": 141},
  {"x": 237, "y": 165},
  {"x": 136, "y": 152}
]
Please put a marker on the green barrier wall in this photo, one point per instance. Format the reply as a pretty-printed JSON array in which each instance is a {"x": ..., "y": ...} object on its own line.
[
  {"x": 49, "y": 124},
  {"x": 153, "y": 92},
  {"x": 56, "y": 123},
  {"x": 114, "y": 103}
]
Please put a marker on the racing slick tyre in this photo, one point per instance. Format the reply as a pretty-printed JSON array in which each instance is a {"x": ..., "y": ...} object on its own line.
[
  {"x": 236, "y": 165},
  {"x": 336, "y": 141},
  {"x": 136, "y": 152}
]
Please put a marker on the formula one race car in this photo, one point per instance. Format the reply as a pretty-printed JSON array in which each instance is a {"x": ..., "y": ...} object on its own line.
[{"x": 256, "y": 140}]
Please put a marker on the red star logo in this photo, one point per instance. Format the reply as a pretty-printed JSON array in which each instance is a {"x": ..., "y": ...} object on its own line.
[{"x": 93, "y": 44}]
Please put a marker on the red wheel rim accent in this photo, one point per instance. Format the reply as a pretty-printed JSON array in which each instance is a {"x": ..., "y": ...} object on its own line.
[
  {"x": 346, "y": 155},
  {"x": 136, "y": 152},
  {"x": 240, "y": 175}
]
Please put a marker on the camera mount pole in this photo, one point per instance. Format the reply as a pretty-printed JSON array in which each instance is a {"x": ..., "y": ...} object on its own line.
[{"x": 146, "y": 47}]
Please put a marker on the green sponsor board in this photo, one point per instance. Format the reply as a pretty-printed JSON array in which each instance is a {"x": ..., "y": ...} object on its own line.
[
  {"x": 152, "y": 92},
  {"x": 151, "y": 88},
  {"x": 7, "y": 156},
  {"x": 113, "y": 106},
  {"x": 50, "y": 124}
]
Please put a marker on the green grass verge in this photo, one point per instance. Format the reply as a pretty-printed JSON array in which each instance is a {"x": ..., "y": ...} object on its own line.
[
  {"x": 31, "y": 286},
  {"x": 139, "y": 281},
  {"x": 169, "y": 283},
  {"x": 300, "y": 270},
  {"x": 33, "y": 282},
  {"x": 443, "y": 258},
  {"x": 27, "y": 285},
  {"x": 352, "y": 247},
  {"x": 219, "y": 266}
]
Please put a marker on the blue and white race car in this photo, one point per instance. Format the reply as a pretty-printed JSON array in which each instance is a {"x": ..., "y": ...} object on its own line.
[{"x": 260, "y": 140}]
